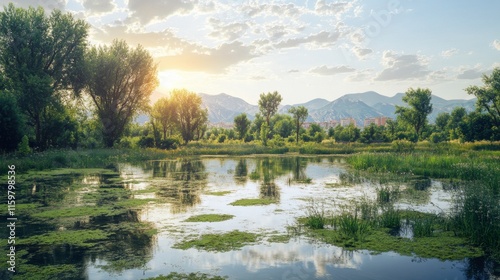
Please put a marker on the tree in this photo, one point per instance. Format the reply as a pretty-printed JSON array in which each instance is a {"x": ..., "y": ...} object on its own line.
[
  {"x": 299, "y": 116},
  {"x": 163, "y": 112},
  {"x": 268, "y": 105},
  {"x": 10, "y": 123},
  {"x": 419, "y": 101},
  {"x": 190, "y": 117},
  {"x": 42, "y": 58},
  {"x": 488, "y": 96},
  {"x": 242, "y": 124},
  {"x": 120, "y": 81}
]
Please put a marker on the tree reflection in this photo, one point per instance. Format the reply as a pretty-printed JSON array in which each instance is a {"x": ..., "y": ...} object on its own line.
[
  {"x": 181, "y": 182},
  {"x": 241, "y": 171}
]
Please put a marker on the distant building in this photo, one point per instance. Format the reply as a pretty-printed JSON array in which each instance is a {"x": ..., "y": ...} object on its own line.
[
  {"x": 329, "y": 124},
  {"x": 347, "y": 122},
  {"x": 379, "y": 121}
]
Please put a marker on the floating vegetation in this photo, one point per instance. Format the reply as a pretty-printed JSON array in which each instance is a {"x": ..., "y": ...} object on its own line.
[
  {"x": 253, "y": 202},
  {"x": 209, "y": 218},
  {"x": 220, "y": 193},
  {"x": 223, "y": 242},
  {"x": 185, "y": 276}
]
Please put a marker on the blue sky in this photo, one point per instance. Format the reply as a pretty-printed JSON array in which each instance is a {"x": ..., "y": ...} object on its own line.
[{"x": 303, "y": 49}]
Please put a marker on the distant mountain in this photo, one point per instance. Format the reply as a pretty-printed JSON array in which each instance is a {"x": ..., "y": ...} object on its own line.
[
  {"x": 342, "y": 108},
  {"x": 223, "y": 107}
]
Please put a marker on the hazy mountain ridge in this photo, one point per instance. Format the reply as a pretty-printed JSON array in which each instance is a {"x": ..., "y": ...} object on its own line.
[{"x": 224, "y": 107}]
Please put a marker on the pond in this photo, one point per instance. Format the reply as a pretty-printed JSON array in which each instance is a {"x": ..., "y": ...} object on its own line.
[{"x": 197, "y": 215}]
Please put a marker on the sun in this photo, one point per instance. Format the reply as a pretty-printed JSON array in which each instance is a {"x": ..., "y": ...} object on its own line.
[{"x": 169, "y": 80}]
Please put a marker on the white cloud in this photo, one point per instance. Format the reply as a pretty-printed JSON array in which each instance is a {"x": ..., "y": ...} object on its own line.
[
  {"x": 361, "y": 76},
  {"x": 280, "y": 10},
  {"x": 325, "y": 70},
  {"x": 402, "y": 67},
  {"x": 361, "y": 52},
  {"x": 229, "y": 31},
  {"x": 449, "y": 53},
  {"x": 293, "y": 71},
  {"x": 321, "y": 39},
  {"x": 496, "y": 45},
  {"x": 147, "y": 10},
  {"x": 214, "y": 60},
  {"x": 336, "y": 8},
  {"x": 470, "y": 74},
  {"x": 46, "y": 4},
  {"x": 98, "y": 6}
]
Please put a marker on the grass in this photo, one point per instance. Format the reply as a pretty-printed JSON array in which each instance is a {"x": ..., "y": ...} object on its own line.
[
  {"x": 253, "y": 202},
  {"x": 219, "y": 242},
  {"x": 220, "y": 193},
  {"x": 209, "y": 218},
  {"x": 81, "y": 238}
]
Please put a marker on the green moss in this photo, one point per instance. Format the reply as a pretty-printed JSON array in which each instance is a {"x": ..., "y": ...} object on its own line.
[
  {"x": 221, "y": 193},
  {"x": 80, "y": 238},
  {"x": 134, "y": 203},
  {"x": 77, "y": 212},
  {"x": 279, "y": 238},
  {"x": 185, "y": 276},
  {"x": 443, "y": 245},
  {"x": 209, "y": 218},
  {"x": 253, "y": 202},
  {"x": 60, "y": 271},
  {"x": 219, "y": 242}
]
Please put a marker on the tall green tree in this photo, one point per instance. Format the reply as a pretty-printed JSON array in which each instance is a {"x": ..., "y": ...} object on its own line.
[
  {"x": 10, "y": 123},
  {"x": 191, "y": 118},
  {"x": 242, "y": 125},
  {"x": 120, "y": 81},
  {"x": 164, "y": 112},
  {"x": 41, "y": 58},
  {"x": 419, "y": 101},
  {"x": 488, "y": 96},
  {"x": 299, "y": 116},
  {"x": 268, "y": 105}
]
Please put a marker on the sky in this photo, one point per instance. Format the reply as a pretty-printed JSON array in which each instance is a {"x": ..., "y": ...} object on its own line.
[{"x": 302, "y": 49}]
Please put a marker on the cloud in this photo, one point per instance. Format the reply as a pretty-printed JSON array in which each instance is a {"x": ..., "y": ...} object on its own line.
[
  {"x": 288, "y": 10},
  {"x": 449, "y": 53},
  {"x": 258, "y": 78},
  {"x": 402, "y": 67},
  {"x": 496, "y": 45},
  {"x": 361, "y": 53},
  {"x": 230, "y": 31},
  {"x": 336, "y": 8},
  {"x": 215, "y": 60},
  {"x": 147, "y": 10},
  {"x": 323, "y": 38},
  {"x": 293, "y": 71},
  {"x": 324, "y": 70},
  {"x": 470, "y": 74},
  {"x": 98, "y": 6}
]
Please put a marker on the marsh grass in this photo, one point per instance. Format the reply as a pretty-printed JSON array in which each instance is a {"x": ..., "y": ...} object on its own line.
[
  {"x": 186, "y": 276},
  {"x": 209, "y": 218},
  {"x": 219, "y": 242},
  {"x": 253, "y": 202},
  {"x": 315, "y": 216}
]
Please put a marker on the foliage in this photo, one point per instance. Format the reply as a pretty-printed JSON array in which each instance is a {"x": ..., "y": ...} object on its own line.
[
  {"x": 10, "y": 123},
  {"x": 299, "y": 116},
  {"x": 24, "y": 147},
  {"x": 190, "y": 117},
  {"x": 242, "y": 125},
  {"x": 164, "y": 113},
  {"x": 348, "y": 133},
  {"x": 268, "y": 105},
  {"x": 264, "y": 132},
  {"x": 419, "y": 101},
  {"x": 488, "y": 96},
  {"x": 41, "y": 58},
  {"x": 120, "y": 81},
  {"x": 403, "y": 146}
]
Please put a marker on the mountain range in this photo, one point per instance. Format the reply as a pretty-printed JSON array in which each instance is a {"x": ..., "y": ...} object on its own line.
[{"x": 222, "y": 108}]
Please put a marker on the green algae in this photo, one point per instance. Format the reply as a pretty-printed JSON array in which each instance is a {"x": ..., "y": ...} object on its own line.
[
  {"x": 209, "y": 218},
  {"x": 221, "y": 193},
  {"x": 223, "y": 242},
  {"x": 253, "y": 202},
  {"x": 81, "y": 238},
  {"x": 78, "y": 212}
]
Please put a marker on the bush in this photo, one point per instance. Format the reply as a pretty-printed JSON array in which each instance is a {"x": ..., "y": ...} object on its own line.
[
  {"x": 146, "y": 142},
  {"x": 170, "y": 143},
  {"x": 24, "y": 147},
  {"x": 221, "y": 138},
  {"x": 403, "y": 146}
]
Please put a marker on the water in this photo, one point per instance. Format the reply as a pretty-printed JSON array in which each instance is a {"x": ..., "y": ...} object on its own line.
[{"x": 179, "y": 189}]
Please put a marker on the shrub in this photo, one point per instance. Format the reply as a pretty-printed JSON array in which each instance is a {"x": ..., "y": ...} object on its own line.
[
  {"x": 403, "y": 146},
  {"x": 24, "y": 147},
  {"x": 146, "y": 142},
  {"x": 170, "y": 143},
  {"x": 221, "y": 138}
]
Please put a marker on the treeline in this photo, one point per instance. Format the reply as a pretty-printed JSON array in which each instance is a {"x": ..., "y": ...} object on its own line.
[{"x": 57, "y": 91}]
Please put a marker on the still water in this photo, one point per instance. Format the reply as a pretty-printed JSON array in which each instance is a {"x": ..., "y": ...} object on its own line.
[{"x": 174, "y": 190}]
